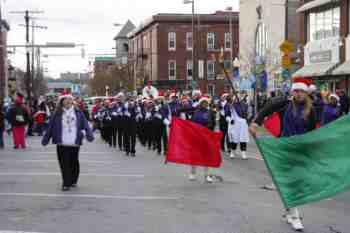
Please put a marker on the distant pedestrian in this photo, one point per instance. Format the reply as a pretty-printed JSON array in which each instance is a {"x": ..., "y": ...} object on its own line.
[
  {"x": 67, "y": 128},
  {"x": 19, "y": 117}
]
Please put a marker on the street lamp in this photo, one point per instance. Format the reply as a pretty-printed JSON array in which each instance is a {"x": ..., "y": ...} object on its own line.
[{"x": 193, "y": 62}]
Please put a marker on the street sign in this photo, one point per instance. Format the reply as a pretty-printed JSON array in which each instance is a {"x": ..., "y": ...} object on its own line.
[{"x": 286, "y": 47}]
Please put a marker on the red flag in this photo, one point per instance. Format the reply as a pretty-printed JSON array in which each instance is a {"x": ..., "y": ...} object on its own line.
[
  {"x": 273, "y": 124},
  {"x": 193, "y": 144}
]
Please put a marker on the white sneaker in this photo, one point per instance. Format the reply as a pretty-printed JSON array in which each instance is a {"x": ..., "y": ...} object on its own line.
[
  {"x": 294, "y": 221},
  {"x": 232, "y": 154},
  {"x": 244, "y": 155},
  {"x": 208, "y": 179},
  {"x": 192, "y": 177}
]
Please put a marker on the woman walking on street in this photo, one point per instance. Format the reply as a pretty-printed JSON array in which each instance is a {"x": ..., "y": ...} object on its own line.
[
  {"x": 67, "y": 128},
  {"x": 18, "y": 116}
]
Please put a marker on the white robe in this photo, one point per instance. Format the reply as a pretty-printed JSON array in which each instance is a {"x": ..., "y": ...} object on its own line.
[{"x": 237, "y": 132}]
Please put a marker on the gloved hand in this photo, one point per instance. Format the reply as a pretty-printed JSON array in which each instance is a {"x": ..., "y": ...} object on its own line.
[{"x": 232, "y": 122}]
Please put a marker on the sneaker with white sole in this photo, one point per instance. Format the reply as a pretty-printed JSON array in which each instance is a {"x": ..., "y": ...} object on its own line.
[
  {"x": 295, "y": 222},
  {"x": 208, "y": 179},
  {"x": 232, "y": 154},
  {"x": 244, "y": 155},
  {"x": 192, "y": 177}
]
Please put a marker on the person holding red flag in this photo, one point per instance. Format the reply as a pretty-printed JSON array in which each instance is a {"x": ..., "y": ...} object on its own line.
[{"x": 206, "y": 118}]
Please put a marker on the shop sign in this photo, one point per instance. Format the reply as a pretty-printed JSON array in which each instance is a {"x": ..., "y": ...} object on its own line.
[{"x": 321, "y": 56}]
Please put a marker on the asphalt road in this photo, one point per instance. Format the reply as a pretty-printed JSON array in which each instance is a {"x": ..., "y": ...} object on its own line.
[{"x": 119, "y": 194}]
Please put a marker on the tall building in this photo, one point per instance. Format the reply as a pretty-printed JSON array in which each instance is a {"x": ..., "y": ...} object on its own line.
[
  {"x": 161, "y": 50},
  {"x": 264, "y": 26},
  {"x": 325, "y": 40},
  {"x": 4, "y": 28},
  {"x": 122, "y": 43}
]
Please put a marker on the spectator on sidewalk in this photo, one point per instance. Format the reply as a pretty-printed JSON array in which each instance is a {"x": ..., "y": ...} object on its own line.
[
  {"x": 18, "y": 117},
  {"x": 67, "y": 128}
]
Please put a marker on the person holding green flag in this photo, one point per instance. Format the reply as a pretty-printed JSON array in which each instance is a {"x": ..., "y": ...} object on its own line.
[{"x": 297, "y": 117}]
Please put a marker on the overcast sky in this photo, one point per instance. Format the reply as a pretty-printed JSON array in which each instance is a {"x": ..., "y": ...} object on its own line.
[{"x": 88, "y": 22}]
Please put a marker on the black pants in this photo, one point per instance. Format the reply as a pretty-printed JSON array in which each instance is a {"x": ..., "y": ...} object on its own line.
[
  {"x": 130, "y": 136},
  {"x": 243, "y": 145},
  {"x": 158, "y": 128},
  {"x": 68, "y": 158},
  {"x": 120, "y": 132},
  {"x": 224, "y": 139}
]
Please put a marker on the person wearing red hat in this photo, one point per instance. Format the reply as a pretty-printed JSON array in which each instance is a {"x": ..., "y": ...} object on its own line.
[
  {"x": 67, "y": 129},
  {"x": 19, "y": 117},
  {"x": 297, "y": 117}
]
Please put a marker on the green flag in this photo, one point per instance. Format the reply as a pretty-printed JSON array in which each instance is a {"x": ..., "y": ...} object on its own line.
[{"x": 310, "y": 167}]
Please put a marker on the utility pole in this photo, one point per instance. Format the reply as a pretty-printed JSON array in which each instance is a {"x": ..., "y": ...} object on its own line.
[{"x": 28, "y": 72}]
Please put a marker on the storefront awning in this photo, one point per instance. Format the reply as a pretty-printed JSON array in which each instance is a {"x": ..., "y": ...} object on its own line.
[
  {"x": 315, "y": 70},
  {"x": 342, "y": 69},
  {"x": 313, "y": 4}
]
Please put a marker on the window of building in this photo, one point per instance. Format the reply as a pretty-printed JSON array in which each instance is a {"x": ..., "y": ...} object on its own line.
[
  {"x": 227, "y": 40},
  {"x": 172, "y": 69},
  {"x": 189, "y": 72},
  {"x": 211, "y": 69},
  {"x": 261, "y": 41},
  {"x": 211, "y": 41},
  {"x": 323, "y": 24},
  {"x": 211, "y": 89},
  {"x": 172, "y": 41},
  {"x": 189, "y": 41},
  {"x": 227, "y": 65}
]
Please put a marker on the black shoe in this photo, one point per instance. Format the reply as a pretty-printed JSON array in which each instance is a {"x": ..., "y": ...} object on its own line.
[
  {"x": 127, "y": 153},
  {"x": 65, "y": 188},
  {"x": 73, "y": 186},
  {"x": 133, "y": 155},
  {"x": 15, "y": 147}
]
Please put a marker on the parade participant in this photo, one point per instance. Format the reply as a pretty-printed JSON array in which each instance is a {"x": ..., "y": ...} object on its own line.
[
  {"x": 18, "y": 117},
  {"x": 140, "y": 118},
  {"x": 174, "y": 104},
  {"x": 223, "y": 126},
  {"x": 107, "y": 122},
  {"x": 130, "y": 113},
  {"x": 119, "y": 121},
  {"x": 331, "y": 111},
  {"x": 238, "y": 133},
  {"x": 297, "y": 118},
  {"x": 344, "y": 103},
  {"x": 161, "y": 114},
  {"x": 185, "y": 109},
  {"x": 149, "y": 128},
  {"x": 40, "y": 119},
  {"x": 66, "y": 128},
  {"x": 206, "y": 118},
  {"x": 2, "y": 124}
]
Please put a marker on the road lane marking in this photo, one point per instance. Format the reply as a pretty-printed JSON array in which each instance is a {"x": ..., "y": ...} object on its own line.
[
  {"x": 55, "y": 161},
  {"x": 93, "y": 196},
  {"x": 59, "y": 174}
]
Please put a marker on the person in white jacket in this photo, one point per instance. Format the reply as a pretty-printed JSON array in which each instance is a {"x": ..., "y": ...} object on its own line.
[{"x": 238, "y": 132}]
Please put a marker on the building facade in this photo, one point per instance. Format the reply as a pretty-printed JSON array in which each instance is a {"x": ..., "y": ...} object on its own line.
[
  {"x": 169, "y": 53},
  {"x": 325, "y": 43},
  {"x": 122, "y": 43},
  {"x": 4, "y": 28},
  {"x": 264, "y": 26},
  {"x": 103, "y": 64}
]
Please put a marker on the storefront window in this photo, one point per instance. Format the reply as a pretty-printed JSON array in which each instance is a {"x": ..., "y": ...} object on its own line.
[{"x": 324, "y": 24}]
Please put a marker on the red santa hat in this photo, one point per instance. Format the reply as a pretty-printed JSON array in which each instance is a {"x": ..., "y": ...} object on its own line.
[
  {"x": 65, "y": 94},
  {"x": 301, "y": 83},
  {"x": 335, "y": 96},
  {"x": 172, "y": 94},
  {"x": 204, "y": 98}
]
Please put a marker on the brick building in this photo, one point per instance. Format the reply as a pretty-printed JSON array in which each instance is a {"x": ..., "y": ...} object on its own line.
[
  {"x": 103, "y": 64},
  {"x": 161, "y": 51},
  {"x": 325, "y": 43}
]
